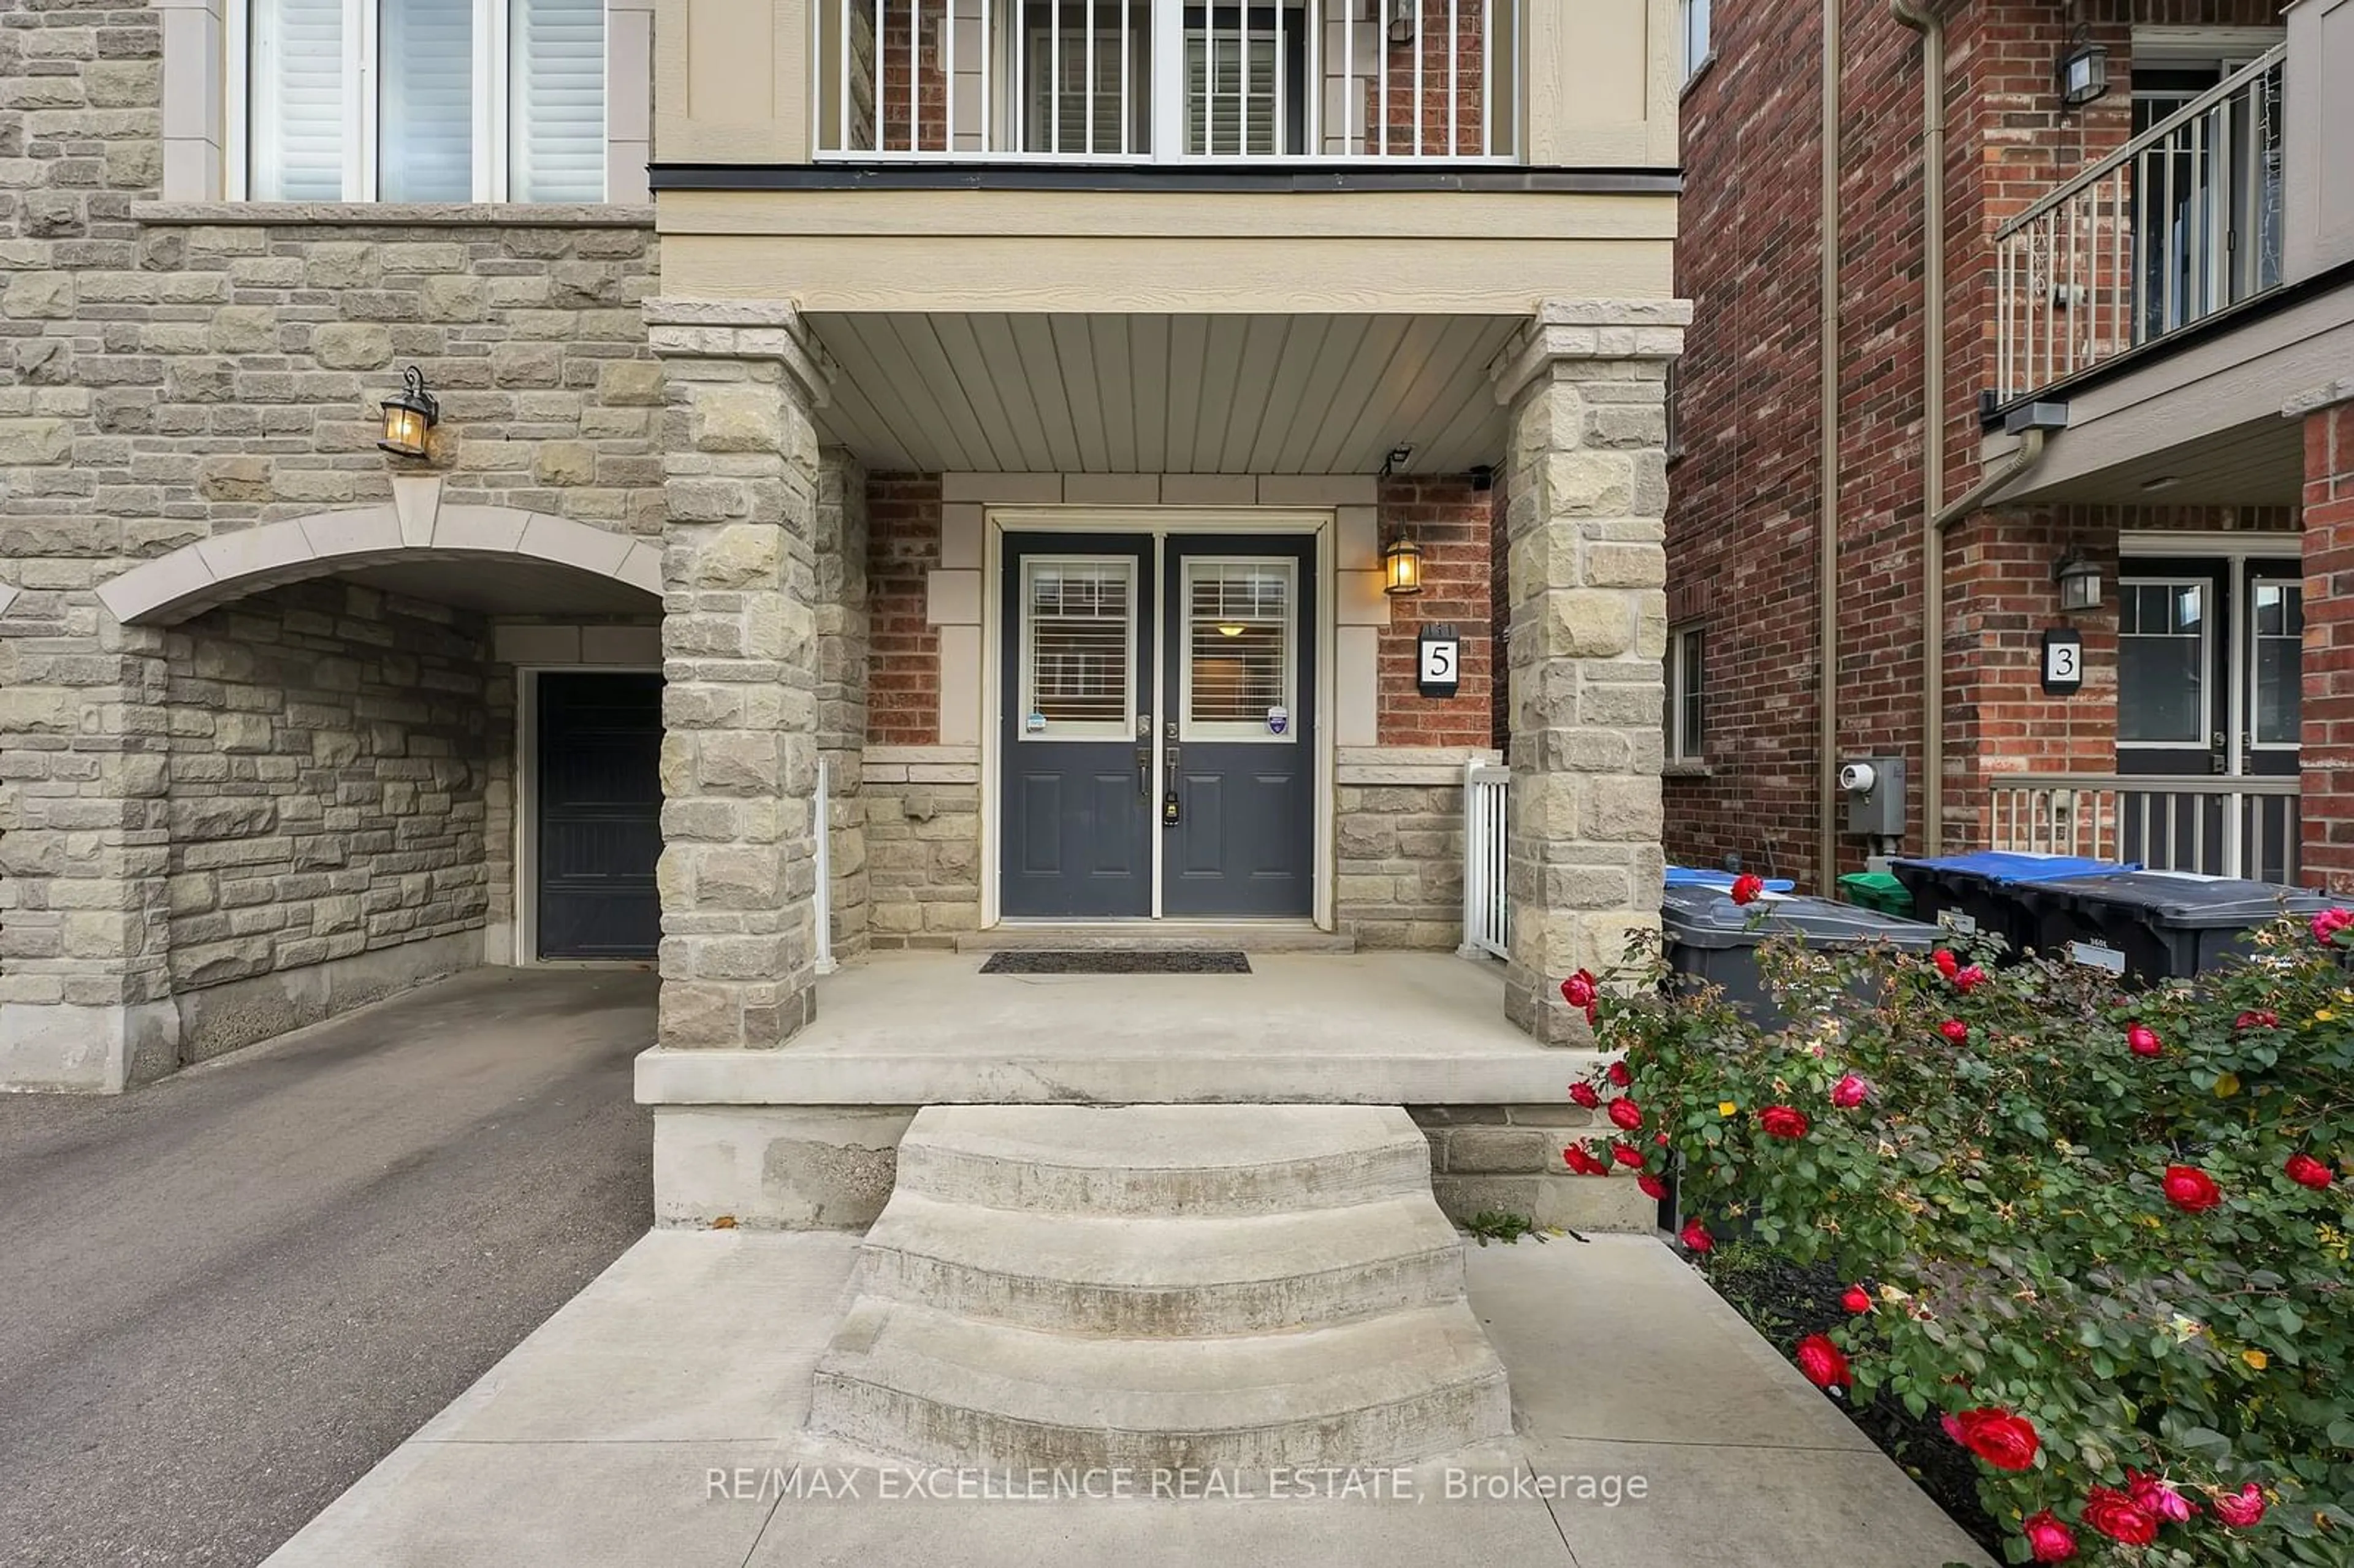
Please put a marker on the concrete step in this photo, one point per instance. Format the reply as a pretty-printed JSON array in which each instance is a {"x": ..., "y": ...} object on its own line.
[
  {"x": 1199, "y": 1160},
  {"x": 947, "y": 1390},
  {"x": 1159, "y": 936},
  {"x": 1158, "y": 1277}
]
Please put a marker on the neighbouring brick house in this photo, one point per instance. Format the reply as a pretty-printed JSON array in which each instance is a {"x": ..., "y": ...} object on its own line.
[
  {"x": 2143, "y": 316},
  {"x": 802, "y": 443}
]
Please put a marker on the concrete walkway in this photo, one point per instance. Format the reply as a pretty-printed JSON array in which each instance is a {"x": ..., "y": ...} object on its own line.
[
  {"x": 229, "y": 1294},
  {"x": 655, "y": 1421}
]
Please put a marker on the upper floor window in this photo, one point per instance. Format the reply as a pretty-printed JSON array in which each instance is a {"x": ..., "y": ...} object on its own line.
[
  {"x": 424, "y": 100},
  {"x": 1695, "y": 26}
]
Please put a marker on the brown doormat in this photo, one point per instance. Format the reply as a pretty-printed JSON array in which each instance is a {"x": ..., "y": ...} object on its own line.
[{"x": 1114, "y": 962}]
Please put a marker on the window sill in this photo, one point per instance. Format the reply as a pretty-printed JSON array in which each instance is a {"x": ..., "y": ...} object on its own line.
[
  {"x": 1686, "y": 767},
  {"x": 1698, "y": 72},
  {"x": 405, "y": 214}
]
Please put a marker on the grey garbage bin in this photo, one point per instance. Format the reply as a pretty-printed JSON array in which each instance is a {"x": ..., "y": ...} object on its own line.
[
  {"x": 1980, "y": 892},
  {"x": 2154, "y": 926},
  {"x": 1713, "y": 939}
]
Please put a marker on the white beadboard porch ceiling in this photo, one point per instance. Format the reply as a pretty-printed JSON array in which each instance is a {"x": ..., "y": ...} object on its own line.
[{"x": 978, "y": 393}]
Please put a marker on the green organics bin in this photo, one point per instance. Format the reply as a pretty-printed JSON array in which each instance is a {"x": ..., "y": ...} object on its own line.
[{"x": 1876, "y": 890}]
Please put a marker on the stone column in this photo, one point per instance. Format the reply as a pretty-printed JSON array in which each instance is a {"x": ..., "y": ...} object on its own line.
[
  {"x": 740, "y": 647},
  {"x": 1585, "y": 532},
  {"x": 843, "y": 639},
  {"x": 2327, "y": 756}
]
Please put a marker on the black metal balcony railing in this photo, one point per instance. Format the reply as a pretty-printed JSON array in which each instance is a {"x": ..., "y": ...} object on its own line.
[{"x": 2180, "y": 222}]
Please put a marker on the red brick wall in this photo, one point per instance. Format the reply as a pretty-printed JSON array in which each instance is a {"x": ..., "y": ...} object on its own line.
[
  {"x": 930, "y": 81},
  {"x": 1745, "y": 495},
  {"x": 2329, "y": 712},
  {"x": 1453, "y": 523},
  {"x": 1435, "y": 50},
  {"x": 903, "y": 534}
]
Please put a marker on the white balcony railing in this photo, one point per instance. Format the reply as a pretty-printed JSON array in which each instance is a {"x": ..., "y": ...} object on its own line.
[
  {"x": 1140, "y": 82},
  {"x": 2180, "y": 222},
  {"x": 2221, "y": 826},
  {"x": 1487, "y": 910}
]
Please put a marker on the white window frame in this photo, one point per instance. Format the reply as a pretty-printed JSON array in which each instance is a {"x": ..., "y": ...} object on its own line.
[
  {"x": 1026, "y": 687},
  {"x": 2248, "y": 583},
  {"x": 2205, "y": 588},
  {"x": 1694, "y": 24},
  {"x": 1687, "y": 650},
  {"x": 493, "y": 100},
  {"x": 1189, "y": 728}
]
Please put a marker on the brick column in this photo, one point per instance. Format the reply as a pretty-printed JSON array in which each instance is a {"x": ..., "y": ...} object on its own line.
[
  {"x": 740, "y": 652},
  {"x": 2327, "y": 756},
  {"x": 1584, "y": 512}
]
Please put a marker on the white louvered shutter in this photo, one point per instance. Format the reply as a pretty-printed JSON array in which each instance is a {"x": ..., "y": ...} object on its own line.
[
  {"x": 1216, "y": 121},
  {"x": 557, "y": 143},
  {"x": 425, "y": 150},
  {"x": 298, "y": 100}
]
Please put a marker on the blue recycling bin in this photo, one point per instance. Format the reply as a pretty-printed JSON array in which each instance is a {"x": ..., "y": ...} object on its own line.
[
  {"x": 1979, "y": 892},
  {"x": 1700, "y": 876}
]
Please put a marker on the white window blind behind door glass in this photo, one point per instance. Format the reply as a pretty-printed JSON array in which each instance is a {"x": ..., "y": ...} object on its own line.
[
  {"x": 298, "y": 100},
  {"x": 557, "y": 56},
  {"x": 426, "y": 150}
]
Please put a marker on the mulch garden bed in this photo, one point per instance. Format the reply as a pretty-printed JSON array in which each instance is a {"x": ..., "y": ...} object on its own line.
[{"x": 1785, "y": 1302}]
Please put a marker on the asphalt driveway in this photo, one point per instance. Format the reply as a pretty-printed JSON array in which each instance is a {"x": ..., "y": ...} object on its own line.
[{"x": 225, "y": 1296}]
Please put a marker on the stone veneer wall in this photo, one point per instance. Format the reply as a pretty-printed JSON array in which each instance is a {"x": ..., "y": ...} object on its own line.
[
  {"x": 923, "y": 845},
  {"x": 1401, "y": 865},
  {"x": 1508, "y": 1157},
  {"x": 330, "y": 749}
]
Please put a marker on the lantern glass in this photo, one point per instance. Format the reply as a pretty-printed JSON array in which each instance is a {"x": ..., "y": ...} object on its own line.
[
  {"x": 2084, "y": 74},
  {"x": 404, "y": 430},
  {"x": 1402, "y": 568},
  {"x": 2080, "y": 584}
]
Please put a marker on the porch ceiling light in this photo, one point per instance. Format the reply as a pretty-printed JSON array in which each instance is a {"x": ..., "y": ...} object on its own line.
[
  {"x": 2079, "y": 580},
  {"x": 1402, "y": 568},
  {"x": 408, "y": 414},
  {"x": 2082, "y": 70}
]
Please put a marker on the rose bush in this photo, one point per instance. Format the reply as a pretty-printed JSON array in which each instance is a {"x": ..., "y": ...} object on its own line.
[{"x": 2104, "y": 1239}]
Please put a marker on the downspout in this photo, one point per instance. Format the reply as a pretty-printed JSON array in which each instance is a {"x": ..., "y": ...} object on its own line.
[
  {"x": 1932, "y": 28},
  {"x": 1827, "y": 522}
]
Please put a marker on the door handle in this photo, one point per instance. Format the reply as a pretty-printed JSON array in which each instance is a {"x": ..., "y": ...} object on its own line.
[
  {"x": 1144, "y": 772},
  {"x": 2218, "y": 759}
]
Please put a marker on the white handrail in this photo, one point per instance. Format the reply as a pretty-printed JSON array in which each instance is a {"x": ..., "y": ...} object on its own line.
[
  {"x": 2222, "y": 825},
  {"x": 823, "y": 827},
  {"x": 1487, "y": 907}
]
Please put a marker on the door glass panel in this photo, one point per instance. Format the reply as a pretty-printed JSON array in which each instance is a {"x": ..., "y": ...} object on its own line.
[
  {"x": 1078, "y": 648},
  {"x": 1238, "y": 650},
  {"x": 2277, "y": 613},
  {"x": 2162, "y": 662}
]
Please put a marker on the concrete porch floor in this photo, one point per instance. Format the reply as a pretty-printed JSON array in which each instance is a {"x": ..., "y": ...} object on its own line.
[
  {"x": 596, "y": 1441},
  {"x": 1381, "y": 1028}
]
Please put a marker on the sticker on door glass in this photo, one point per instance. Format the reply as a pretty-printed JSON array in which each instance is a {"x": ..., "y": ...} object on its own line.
[
  {"x": 1035, "y": 723},
  {"x": 1278, "y": 720}
]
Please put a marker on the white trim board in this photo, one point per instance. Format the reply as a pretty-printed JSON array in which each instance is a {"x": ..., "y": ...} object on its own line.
[{"x": 2141, "y": 543}]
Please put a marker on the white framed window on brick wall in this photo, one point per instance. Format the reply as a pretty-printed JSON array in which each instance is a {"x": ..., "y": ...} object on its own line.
[
  {"x": 1686, "y": 714},
  {"x": 418, "y": 100},
  {"x": 1695, "y": 39}
]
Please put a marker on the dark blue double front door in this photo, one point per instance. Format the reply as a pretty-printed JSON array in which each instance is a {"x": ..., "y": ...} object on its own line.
[{"x": 1157, "y": 747}]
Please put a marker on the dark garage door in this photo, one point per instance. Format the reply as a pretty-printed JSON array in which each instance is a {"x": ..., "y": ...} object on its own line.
[{"x": 599, "y": 815}]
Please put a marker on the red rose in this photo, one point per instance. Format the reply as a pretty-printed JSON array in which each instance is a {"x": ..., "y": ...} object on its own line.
[
  {"x": 2143, "y": 1041},
  {"x": 1783, "y": 1121},
  {"x": 1695, "y": 1237},
  {"x": 1748, "y": 888},
  {"x": 1823, "y": 1364},
  {"x": 1955, "y": 1031},
  {"x": 1653, "y": 1188},
  {"x": 1578, "y": 1158},
  {"x": 2191, "y": 1189},
  {"x": 1626, "y": 1113},
  {"x": 1856, "y": 1299},
  {"x": 2241, "y": 1508},
  {"x": 2306, "y": 1172},
  {"x": 1948, "y": 965},
  {"x": 2257, "y": 1018},
  {"x": 1626, "y": 1154},
  {"x": 1970, "y": 978},
  {"x": 1619, "y": 1076},
  {"x": 2117, "y": 1515},
  {"x": 1850, "y": 1092},
  {"x": 1581, "y": 992},
  {"x": 2006, "y": 1442},
  {"x": 2155, "y": 1496},
  {"x": 1583, "y": 1094},
  {"x": 2328, "y": 923},
  {"x": 2050, "y": 1540}
]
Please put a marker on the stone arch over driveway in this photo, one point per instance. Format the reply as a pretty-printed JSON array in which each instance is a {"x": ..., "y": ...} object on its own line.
[{"x": 414, "y": 533}]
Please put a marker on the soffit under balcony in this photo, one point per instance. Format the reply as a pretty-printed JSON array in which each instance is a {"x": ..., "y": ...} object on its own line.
[{"x": 1081, "y": 393}]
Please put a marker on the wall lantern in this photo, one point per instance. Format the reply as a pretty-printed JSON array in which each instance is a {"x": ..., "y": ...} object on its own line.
[
  {"x": 1402, "y": 568},
  {"x": 2080, "y": 582},
  {"x": 408, "y": 415},
  {"x": 2082, "y": 70}
]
